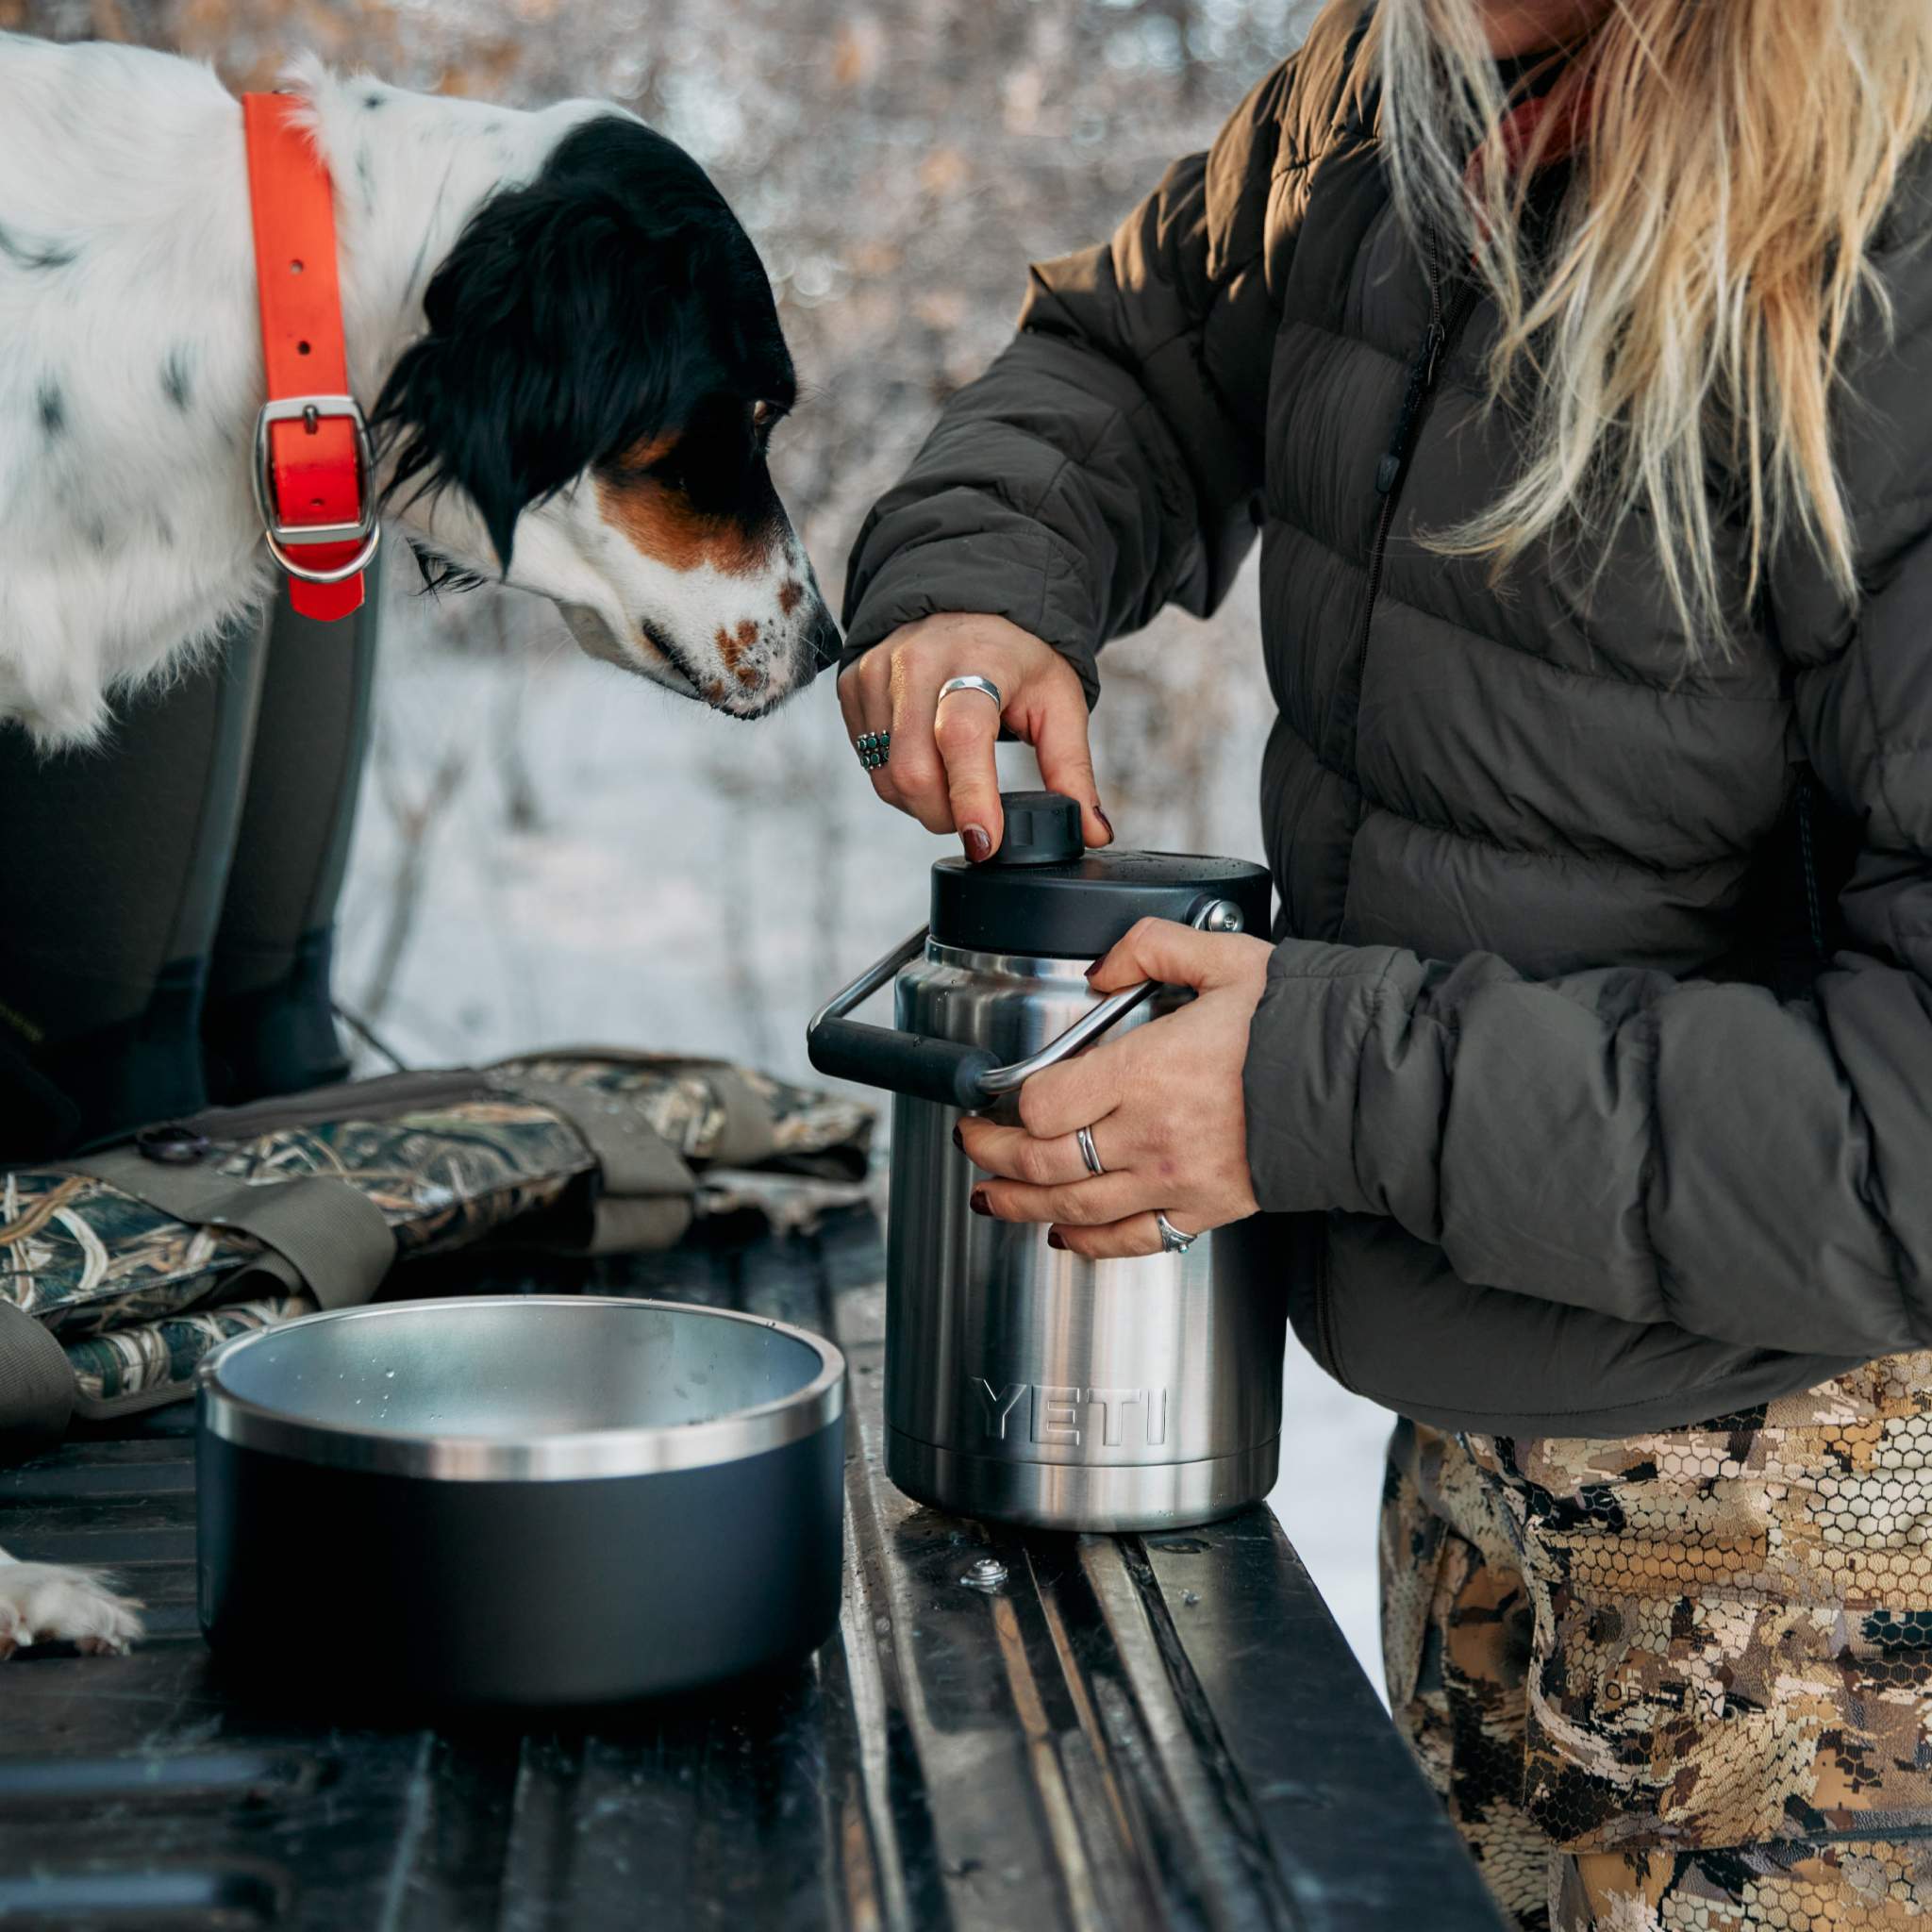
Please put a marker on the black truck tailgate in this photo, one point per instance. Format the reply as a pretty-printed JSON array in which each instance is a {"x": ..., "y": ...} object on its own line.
[{"x": 1121, "y": 1732}]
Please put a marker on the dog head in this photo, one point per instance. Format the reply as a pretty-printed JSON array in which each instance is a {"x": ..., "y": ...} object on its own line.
[{"x": 592, "y": 401}]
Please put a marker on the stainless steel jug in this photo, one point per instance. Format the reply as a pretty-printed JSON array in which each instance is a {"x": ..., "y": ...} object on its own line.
[{"x": 1023, "y": 1383}]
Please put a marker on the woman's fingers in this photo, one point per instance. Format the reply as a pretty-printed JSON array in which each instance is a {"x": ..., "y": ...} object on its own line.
[
  {"x": 1060, "y": 725},
  {"x": 851, "y": 702},
  {"x": 1165, "y": 950},
  {"x": 1015, "y": 1154},
  {"x": 866, "y": 705},
  {"x": 939, "y": 744},
  {"x": 966, "y": 726},
  {"x": 1168, "y": 1101},
  {"x": 848, "y": 698},
  {"x": 1078, "y": 1091},
  {"x": 953, "y": 783},
  {"x": 1119, "y": 1240},
  {"x": 919, "y": 778},
  {"x": 1090, "y": 1203}
]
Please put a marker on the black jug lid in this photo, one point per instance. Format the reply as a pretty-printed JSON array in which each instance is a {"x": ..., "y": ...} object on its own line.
[{"x": 1043, "y": 895}]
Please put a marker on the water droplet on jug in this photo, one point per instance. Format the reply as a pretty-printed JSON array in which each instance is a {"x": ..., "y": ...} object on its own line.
[
  {"x": 389, "y": 1374},
  {"x": 985, "y": 1574}
]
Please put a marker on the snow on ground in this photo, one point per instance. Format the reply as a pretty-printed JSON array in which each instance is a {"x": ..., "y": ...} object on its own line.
[{"x": 609, "y": 864}]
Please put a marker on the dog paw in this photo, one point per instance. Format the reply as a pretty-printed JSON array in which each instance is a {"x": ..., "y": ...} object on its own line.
[{"x": 51, "y": 1603}]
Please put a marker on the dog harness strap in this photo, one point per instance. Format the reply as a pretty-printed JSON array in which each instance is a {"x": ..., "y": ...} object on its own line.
[{"x": 315, "y": 456}]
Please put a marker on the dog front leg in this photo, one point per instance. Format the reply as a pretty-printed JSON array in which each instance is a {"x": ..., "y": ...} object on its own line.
[{"x": 56, "y": 1602}]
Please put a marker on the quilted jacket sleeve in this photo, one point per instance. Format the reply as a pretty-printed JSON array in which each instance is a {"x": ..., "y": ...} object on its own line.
[
  {"x": 1691, "y": 1153},
  {"x": 1104, "y": 465}
]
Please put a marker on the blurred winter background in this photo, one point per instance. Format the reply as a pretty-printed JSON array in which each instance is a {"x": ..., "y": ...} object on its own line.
[{"x": 548, "y": 850}]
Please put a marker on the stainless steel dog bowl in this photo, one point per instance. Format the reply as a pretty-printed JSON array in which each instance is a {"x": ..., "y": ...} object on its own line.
[{"x": 521, "y": 1501}]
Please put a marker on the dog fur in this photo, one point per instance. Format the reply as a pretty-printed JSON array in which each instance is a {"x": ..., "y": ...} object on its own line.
[
  {"x": 53, "y": 1603},
  {"x": 565, "y": 341}
]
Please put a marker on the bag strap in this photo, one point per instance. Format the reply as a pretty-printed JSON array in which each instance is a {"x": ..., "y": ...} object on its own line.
[
  {"x": 323, "y": 1235},
  {"x": 37, "y": 1391},
  {"x": 645, "y": 1194},
  {"x": 749, "y": 1136}
]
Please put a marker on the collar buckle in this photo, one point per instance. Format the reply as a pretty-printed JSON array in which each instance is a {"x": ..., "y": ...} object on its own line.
[{"x": 310, "y": 412}]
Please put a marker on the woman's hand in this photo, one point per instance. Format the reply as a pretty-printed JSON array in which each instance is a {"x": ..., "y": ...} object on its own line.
[
  {"x": 1163, "y": 1104},
  {"x": 940, "y": 767}
]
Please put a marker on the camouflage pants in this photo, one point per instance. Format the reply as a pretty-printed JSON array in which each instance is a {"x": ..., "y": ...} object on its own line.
[{"x": 1680, "y": 1682}]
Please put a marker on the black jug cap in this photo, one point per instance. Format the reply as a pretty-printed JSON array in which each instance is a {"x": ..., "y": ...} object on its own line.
[{"x": 1042, "y": 894}]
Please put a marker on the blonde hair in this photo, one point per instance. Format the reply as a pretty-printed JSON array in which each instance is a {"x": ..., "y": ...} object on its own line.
[{"x": 1690, "y": 315}]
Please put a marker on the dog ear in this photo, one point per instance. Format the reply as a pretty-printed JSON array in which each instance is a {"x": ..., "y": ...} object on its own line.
[{"x": 561, "y": 328}]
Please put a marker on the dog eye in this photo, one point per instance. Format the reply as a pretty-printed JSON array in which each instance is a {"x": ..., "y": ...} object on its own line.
[{"x": 765, "y": 417}]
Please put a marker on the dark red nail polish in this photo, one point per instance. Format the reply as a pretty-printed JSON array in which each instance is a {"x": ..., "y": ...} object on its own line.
[
  {"x": 1094, "y": 968},
  {"x": 1100, "y": 812},
  {"x": 978, "y": 846},
  {"x": 958, "y": 1138},
  {"x": 1053, "y": 1238},
  {"x": 977, "y": 1202}
]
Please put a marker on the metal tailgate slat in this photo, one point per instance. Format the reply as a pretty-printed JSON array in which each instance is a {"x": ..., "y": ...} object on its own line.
[{"x": 1321, "y": 1768}]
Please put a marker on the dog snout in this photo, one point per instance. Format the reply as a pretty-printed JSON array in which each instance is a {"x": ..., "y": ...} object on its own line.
[{"x": 767, "y": 661}]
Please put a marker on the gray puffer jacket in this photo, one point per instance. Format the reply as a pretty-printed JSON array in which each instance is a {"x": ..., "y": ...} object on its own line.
[{"x": 1558, "y": 1145}]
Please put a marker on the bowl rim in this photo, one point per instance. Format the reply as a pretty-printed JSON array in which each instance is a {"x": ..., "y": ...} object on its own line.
[{"x": 643, "y": 1449}]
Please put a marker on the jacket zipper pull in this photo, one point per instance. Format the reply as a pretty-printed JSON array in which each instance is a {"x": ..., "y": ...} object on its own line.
[
  {"x": 1422, "y": 377},
  {"x": 1434, "y": 339}
]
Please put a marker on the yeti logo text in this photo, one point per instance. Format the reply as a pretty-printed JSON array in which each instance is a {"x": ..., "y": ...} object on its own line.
[{"x": 1056, "y": 1413}]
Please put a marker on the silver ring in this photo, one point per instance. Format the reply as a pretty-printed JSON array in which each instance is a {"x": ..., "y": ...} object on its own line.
[
  {"x": 984, "y": 685},
  {"x": 1173, "y": 1242},
  {"x": 1089, "y": 1153},
  {"x": 874, "y": 748}
]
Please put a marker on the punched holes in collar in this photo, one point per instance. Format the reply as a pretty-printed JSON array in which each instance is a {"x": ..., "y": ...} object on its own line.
[{"x": 172, "y": 1144}]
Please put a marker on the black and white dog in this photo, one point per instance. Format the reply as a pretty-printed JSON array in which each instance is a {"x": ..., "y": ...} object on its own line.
[{"x": 565, "y": 341}]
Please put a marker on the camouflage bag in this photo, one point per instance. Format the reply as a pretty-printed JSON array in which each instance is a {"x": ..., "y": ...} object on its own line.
[{"x": 118, "y": 1271}]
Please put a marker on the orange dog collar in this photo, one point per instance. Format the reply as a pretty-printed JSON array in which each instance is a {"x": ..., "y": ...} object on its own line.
[{"x": 312, "y": 466}]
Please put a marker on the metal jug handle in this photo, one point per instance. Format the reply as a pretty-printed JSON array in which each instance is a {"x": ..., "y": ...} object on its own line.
[{"x": 945, "y": 1071}]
